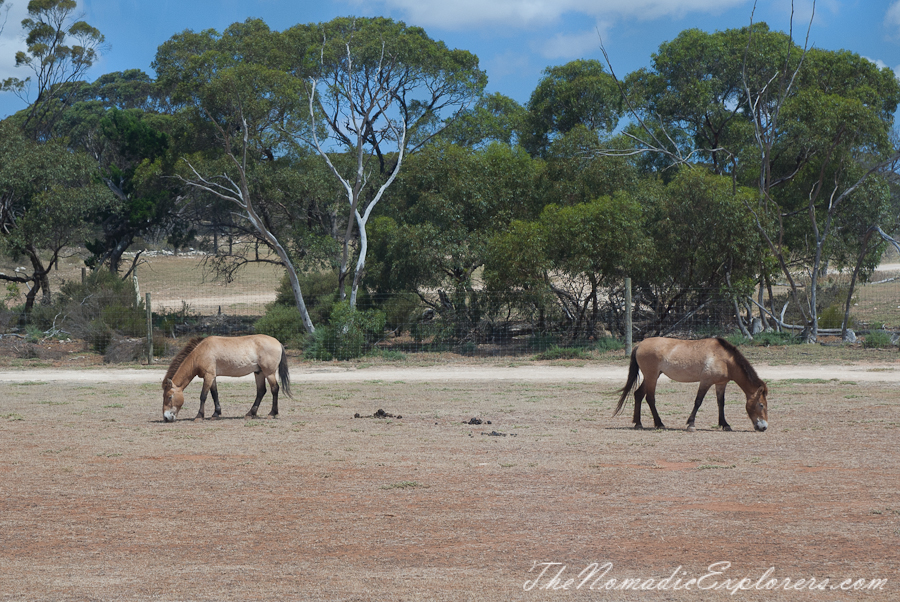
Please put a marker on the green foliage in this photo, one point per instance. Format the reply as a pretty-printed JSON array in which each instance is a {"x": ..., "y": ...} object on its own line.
[
  {"x": 96, "y": 310},
  {"x": 579, "y": 93},
  {"x": 833, "y": 317},
  {"x": 609, "y": 344},
  {"x": 49, "y": 196},
  {"x": 563, "y": 259},
  {"x": 877, "y": 339},
  {"x": 737, "y": 339},
  {"x": 563, "y": 353},
  {"x": 33, "y": 334},
  {"x": 703, "y": 231},
  {"x": 401, "y": 310},
  {"x": 284, "y": 323},
  {"x": 350, "y": 333},
  {"x": 389, "y": 355},
  {"x": 60, "y": 48},
  {"x": 12, "y": 293},
  {"x": 319, "y": 294},
  {"x": 494, "y": 118}
]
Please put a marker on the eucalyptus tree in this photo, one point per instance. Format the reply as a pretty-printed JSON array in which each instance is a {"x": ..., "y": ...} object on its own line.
[
  {"x": 493, "y": 118},
  {"x": 48, "y": 198},
  {"x": 578, "y": 94},
  {"x": 119, "y": 120},
  {"x": 806, "y": 127},
  {"x": 4, "y": 15},
  {"x": 823, "y": 147},
  {"x": 438, "y": 220},
  {"x": 234, "y": 86},
  {"x": 60, "y": 48},
  {"x": 383, "y": 89},
  {"x": 568, "y": 257}
]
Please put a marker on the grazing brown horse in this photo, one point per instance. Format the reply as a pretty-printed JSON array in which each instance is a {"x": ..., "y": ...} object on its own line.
[
  {"x": 210, "y": 357},
  {"x": 709, "y": 362}
]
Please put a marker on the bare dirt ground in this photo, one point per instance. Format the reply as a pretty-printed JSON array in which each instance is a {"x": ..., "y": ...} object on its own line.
[{"x": 99, "y": 500}]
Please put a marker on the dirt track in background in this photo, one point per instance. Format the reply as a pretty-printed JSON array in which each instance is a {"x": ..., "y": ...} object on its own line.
[
  {"x": 102, "y": 501},
  {"x": 342, "y": 372}
]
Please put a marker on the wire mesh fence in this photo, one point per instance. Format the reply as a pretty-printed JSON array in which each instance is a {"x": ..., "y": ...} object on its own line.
[
  {"x": 476, "y": 322},
  {"x": 185, "y": 300}
]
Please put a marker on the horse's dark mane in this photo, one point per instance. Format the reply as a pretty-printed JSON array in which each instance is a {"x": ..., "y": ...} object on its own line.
[
  {"x": 742, "y": 362},
  {"x": 179, "y": 359}
]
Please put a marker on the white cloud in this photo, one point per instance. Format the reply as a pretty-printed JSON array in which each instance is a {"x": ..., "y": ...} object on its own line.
[
  {"x": 892, "y": 17},
  {"x": 565, "y": 46},
  {"x": 528, "y": 13},
  {"x": 11, "y": 39}
]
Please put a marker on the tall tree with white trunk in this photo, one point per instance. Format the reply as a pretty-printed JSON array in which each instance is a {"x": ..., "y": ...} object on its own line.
[{"x": 383, "y": 89}]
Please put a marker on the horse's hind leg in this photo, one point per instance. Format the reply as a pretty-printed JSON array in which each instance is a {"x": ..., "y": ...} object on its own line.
[
  {"x": 701, "y": 393},
  {"x": 638, "y": 398},
  {"x": 215, "y": 395},
  {"x": 273, "y": 386},
  {"x": 720, "y": 397},
  {"x": 260, "y": 392},
  {"x": 651, "y": 401}
]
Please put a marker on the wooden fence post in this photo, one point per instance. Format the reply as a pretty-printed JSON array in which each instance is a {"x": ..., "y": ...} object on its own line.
[
  {"x": 628, "y": 323},
  {"x": 149, "y": 331}
]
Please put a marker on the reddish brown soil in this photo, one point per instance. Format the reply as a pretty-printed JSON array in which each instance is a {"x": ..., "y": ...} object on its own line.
[{"x": 99, "y": 500}]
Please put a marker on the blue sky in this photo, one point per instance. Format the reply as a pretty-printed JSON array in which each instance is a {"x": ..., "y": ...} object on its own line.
[{"x": 515, "y": 40}]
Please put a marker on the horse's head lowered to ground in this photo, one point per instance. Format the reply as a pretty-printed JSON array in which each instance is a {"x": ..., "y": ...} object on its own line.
[
  {"x": 758, "y": 408},
  {"x": 173, "y": 399}
]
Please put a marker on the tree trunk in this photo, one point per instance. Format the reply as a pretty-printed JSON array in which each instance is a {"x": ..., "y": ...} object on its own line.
[{"x": 41, "y": 279}]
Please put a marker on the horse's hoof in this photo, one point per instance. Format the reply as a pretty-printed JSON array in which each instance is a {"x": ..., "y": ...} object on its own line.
[
  {"x": 638, "y": 426},
  {"x": 726, "y": 428},
  {"x": 691, "y": 428},
  {"x": 198, "y": 417},
  {"x": 248, "y": 416},
  {"x": 273, "y": 416}
]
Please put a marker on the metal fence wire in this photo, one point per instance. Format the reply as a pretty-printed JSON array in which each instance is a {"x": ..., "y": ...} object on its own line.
[
  {"x": 481, "y": 323},
  {"x": 172, "y": 299}
]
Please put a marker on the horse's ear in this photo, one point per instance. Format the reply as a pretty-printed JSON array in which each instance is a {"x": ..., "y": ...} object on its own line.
[{"x": 168, "y": 384}]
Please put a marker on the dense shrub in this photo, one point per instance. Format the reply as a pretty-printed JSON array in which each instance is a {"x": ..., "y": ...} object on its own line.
[
  {"x": 95, "y": 310},
  {"x": 833, "y": 317},
  {"x": 319, "y": 294},
  {"x": 877, "y": 339},
  {"x": 563, "y": 353},
  {"x": 608, "y": 344},
  {"x": 402, "y": 311},
  {"x": 284, "y": 323},
  {"x": 350, "y": 333}
]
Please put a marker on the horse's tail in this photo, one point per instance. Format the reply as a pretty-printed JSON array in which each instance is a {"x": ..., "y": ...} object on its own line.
[
  {"x": 284, "y": 375},
  {"x": 630, "y": 383}
]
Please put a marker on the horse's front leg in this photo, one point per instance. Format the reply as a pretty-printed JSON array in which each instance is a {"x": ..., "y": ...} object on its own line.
[
  {"x": 260, "y": 392},
  {"x": 209, "y": 384},
  {"x": 720, "y": 397},
  {"x": 701, "y": 393},
  {"x": 650, "y": 389}
]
